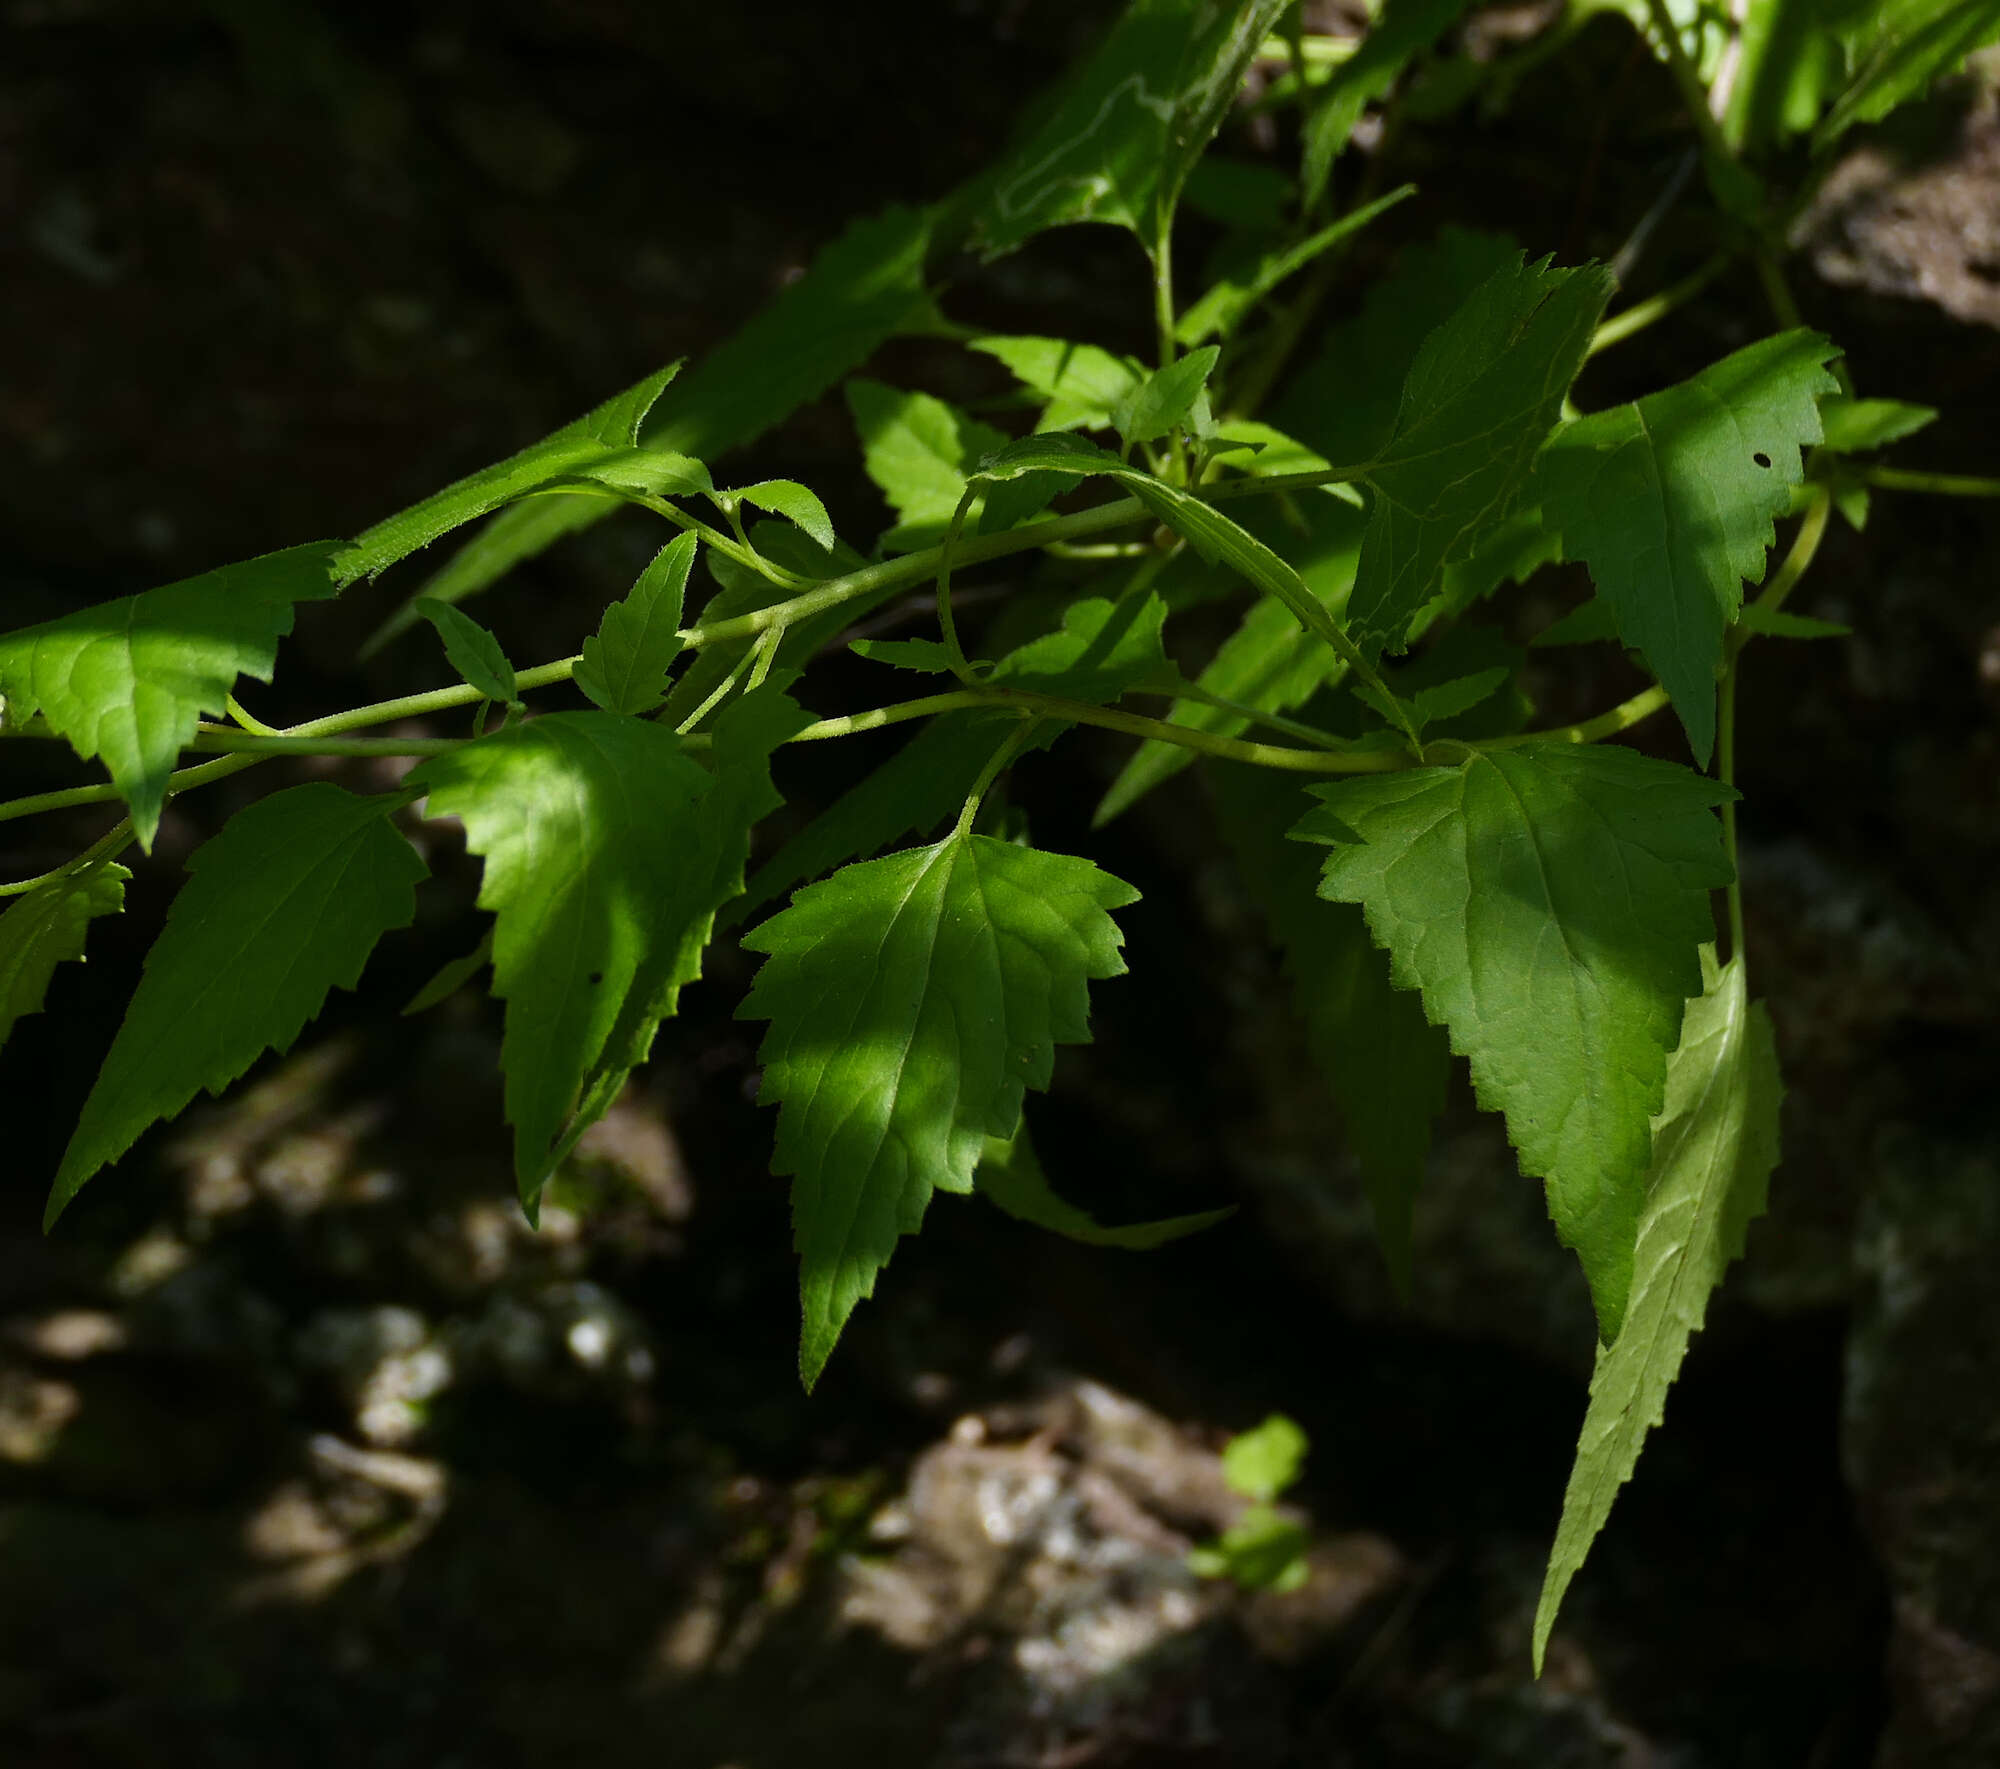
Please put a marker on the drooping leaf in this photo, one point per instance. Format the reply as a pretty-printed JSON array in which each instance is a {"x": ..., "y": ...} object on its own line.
[
  {"x": 1120, "y": 137},
  {"x": 1082, "y": 384},
  {"x": 625, "y": 662},
  {"x": 471, "y": 650},
  {"x": 919, "y": 450},
  {"x": 1010, "y": 1176},
  {"x": 129, "y": 680},
  {"x": 1550, "y": 902},
  {"x": 1402, "y": 30},
  {"x": 285, "y": 902},
  {"x": 1163, "y": 400},
  {"x": 1672, "y": 501},
  {"x": 1481, "y": 397},
  {"x": 745, "y": 736},
  {"x": 912, "y": 999},
  {"x": 1269, "y": 663},
  {"x": 1223, "y": 307},
  {"x": 609, "y": 431},
  {"x": 41, "y": 928},
  {"x": 1714, "y": 1145},
  {"x": 1386, "y": 1064},
  {"x": 451, "y": 977},
  {"x": 585, "y": 821},
  {"x": 793, "y": 501},
  {"x": 865, "y": 287}
]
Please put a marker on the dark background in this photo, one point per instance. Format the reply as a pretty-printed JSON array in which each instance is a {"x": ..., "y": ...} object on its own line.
[{"x": 268, "y": 273}]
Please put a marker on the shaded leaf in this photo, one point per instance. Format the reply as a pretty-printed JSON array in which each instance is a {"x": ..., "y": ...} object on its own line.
[
  {"x": 791, "y": 500},
  {"x": 1672, "y": 501},
  {"x": 1159, "y": 404},
  {"x": 1010, "y": 1176},
  {"x": 1854, "y": 426},
  {"x": 625, "y": 662},
  {"x": 1714, "y": 1145},
  {"x": 1549, "y": 901},
  {"x": 912, "y": 1000},
  {"x": 452, "y": 977},
  {"x": 42, "y": 928},
  {"x": 919, "y": 450},
  {"x": 1896, "y": 48},
  {"x": 471, "y": 650},
  {"x": 130, "y": 679},
  {"x": 1082, "y": 384},
  {"x": 1479, "y": 400},
  {"x": 285, "y": 902}
]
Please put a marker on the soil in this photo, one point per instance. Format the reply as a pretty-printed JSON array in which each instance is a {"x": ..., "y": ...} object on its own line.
[{"x": 311, "y": 1452}]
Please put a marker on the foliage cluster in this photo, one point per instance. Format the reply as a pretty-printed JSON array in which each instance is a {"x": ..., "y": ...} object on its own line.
[{"x": 1446, "y": 880}]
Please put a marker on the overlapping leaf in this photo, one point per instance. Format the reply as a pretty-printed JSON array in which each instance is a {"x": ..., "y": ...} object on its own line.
[
  {"x": 912, "y": 999},
  {"x": 42, "y": 928},
  {"x": 1120, "y": 137},
  {"x": 1550, "y": 902},
  {"x": 919, "y": 450},
  {"x": 1082, "y": 384},
  {"x": 285, "y": 903},
  {"x": 586, "y": 822},
  {"x": 1714, "y": 1145},
  {"x": 129, "y": 680},
  {"x": 1479, "y": 400},
  {"x": 624, "y": 664},
  {"x": 865, "y": 287},
  {"x": 1672, "y": 502},
  {"x": 471, "y": 650}
]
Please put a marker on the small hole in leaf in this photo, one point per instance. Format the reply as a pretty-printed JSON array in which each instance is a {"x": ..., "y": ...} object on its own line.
[
  {"x": 597, "y": 976},
  {"x": 1761, "y": 458}
]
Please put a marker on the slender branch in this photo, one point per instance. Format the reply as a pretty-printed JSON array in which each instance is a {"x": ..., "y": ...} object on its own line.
[
  {"x": 251, "y": 743},
  {"x": 113, "y": 842},
  {"x": 1951, "y": 485},
  {"x": 1621, "y": 717},
  {"x": 1805, "y": 544},
  {"x": 1641, "y": 314}
]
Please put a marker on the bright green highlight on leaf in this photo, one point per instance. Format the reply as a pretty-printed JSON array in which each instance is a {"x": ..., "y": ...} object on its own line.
[
  {"x": 1672, "y": 502},
  {"x": 1260, "y": 1551},
  {"x": 919, "y": 450},
  {"x": 472, "y": 651},
  {"x": 585, "y": 821},
  {"x": 1082, "y": 384},
  {"x": 1550, "y": 902},
  {"x": 912, "y": 1000},
  {"x": 625, "y": 662},
  {"x": 44, "y": 927},
  {"x": 1714, "y": 1145},
  {"x": 285, "y": 903},
  {"x": 1262, "y": 1463},
  {"x": 1161, "y": 402},
  {"x": 129, "y": 680}
]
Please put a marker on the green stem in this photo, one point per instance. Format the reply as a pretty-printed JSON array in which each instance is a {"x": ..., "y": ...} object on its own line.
[
  {"x": 1016, "y": 741},
  {"x": 1641, "y": 314},
  {"x": 1951, "y": 485},
  {"x": 1715, "y": 146},
  {"x": 1805, "y": 544},
  {"x": 108, "y": 846},
  {"x": 250, "y": 743},
  {"x": 1621, "y": 717},
  {"x": 947, "y": 623},
  {"x": 1163, "y": 288}
]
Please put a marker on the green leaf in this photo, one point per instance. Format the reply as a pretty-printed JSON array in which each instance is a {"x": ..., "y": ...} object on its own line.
[
  {"x": 1586, "y": 624},
  {"x": 1854, "y": 426},
  {"x": 129, "y": 680},
  {"x": 1402, "y": 30},
  {"x": 43, "y": 927},
  {"x": 625, "y": 662},
  {"x": 452, "y": 977},
  {"x": 912, "y": 999},
  {"x": 1119, "y": 139},
  {"x": 285, "y": 902},
  {"x": 1274, "y": 453},
  {"x": 1777, "y": 623},
  {"x": 865, "y": 287},
  {"x": 1159, "y": 404},
  {"x": 1082, "y": 384},
  {"x": 596, "y": 438},
  {"x": 931, "y": 656},
  {"x": 1385, "y": 1063},
  {"x": 791, "y": 500},
  {"x": 584, "y": 821},
  {"x": 472, "y": 651},
  {"x": 1260, "y": 1464},
  {"x": 1549, "y": 901},
  {"x": 1481, "y": 397},
  {"x": 1268, "y": 663},
  {"x": 1672, "y": 502},
  {"x": 1896, "y": 48},
  {"x": 1102, "y": 650},
  {"x": 1222, "y": 308},
  {"x": 745, "y": 736},
  {"x": 1260, "y": 1551},
  {"x": 1714, "y": 1145},
  {"x": 1010, "y": 1176},
  {"x": 919, "y": 451}
]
